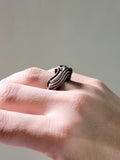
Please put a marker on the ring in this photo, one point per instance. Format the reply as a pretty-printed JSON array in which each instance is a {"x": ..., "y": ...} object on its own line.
[{"x": 62, "y": 74}]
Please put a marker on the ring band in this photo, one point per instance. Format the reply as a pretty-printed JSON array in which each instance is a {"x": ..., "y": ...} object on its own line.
[{"x": 62, "y": 74}]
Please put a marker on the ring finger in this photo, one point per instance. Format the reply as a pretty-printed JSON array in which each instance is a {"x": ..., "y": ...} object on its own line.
[{"x": 38, "y": 78}]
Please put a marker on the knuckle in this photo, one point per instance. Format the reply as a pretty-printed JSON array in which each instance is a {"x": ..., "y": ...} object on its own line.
[
  {"x": 56, "y": 129},
  {"x": 83, "y": 101},
  {"x": 7, "y": 129},
  {"x": 99, "y": 83},
  {"x": 32, "y": 74},
  {"x": 32, "y": 70},
  {"x": 3, "y": 81},
  {"x": 79, "y": 99},
  {"x": 3, "y": 124},
  {"x": 84, "y": 97},
  {"x": 8, "y": 93}
]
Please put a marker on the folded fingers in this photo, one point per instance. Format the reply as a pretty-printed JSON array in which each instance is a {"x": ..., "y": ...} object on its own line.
[
  {"x": 37, "y": 77},
  {"x": 28, "y": 99},
  {"x": 32, "y": 76}
]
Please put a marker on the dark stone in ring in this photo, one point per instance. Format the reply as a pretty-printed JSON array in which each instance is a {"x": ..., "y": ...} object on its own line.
[{"x": 62, "y": 74}]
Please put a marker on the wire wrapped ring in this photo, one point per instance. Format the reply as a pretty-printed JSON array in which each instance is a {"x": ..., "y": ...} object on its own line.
[{"x": 62, "y": 74}]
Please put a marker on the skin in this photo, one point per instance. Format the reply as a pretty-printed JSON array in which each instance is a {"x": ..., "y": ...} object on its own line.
[{"x": 80, "y": 121}]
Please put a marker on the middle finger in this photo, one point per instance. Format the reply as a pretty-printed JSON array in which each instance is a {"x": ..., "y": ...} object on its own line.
[{"x": 28, "y": 99}]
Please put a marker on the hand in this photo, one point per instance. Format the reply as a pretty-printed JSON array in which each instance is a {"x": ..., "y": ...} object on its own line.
[{"x": 80, "y": 121}]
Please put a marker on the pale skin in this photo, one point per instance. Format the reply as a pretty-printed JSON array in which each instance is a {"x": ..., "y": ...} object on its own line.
[{"x": 81, "y": 121}]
